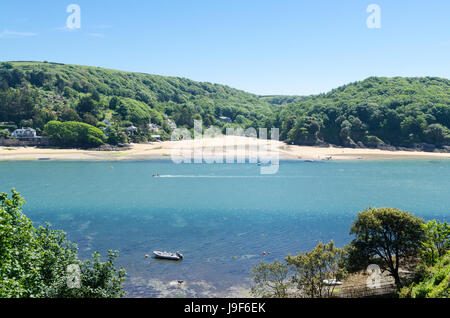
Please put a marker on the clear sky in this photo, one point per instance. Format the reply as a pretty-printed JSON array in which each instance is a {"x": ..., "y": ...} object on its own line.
[{"x": 261, "y": 46}]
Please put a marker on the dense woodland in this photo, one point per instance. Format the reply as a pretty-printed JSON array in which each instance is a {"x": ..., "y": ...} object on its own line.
[{"x": 376, "y": 112}]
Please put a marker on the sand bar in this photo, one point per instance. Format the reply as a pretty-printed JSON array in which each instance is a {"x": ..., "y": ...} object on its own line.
[{"x": 164, "y": 150}]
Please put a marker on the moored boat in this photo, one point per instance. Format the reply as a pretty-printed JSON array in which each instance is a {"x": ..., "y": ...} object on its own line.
[{"x": 167, "y": 255}]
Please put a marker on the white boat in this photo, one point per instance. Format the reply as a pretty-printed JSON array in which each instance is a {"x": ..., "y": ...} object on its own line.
[
  {"x": 167, "y": 255},
  {"x": 332, "y": 282}
]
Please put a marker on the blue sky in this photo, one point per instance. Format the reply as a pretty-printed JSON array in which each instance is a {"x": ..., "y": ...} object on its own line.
[{"x": 261, "y": 46}]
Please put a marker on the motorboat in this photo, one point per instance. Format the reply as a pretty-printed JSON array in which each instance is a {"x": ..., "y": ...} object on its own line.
[
  {"x": 332, "y": 282},
  {"x": 168, "y": 255}
]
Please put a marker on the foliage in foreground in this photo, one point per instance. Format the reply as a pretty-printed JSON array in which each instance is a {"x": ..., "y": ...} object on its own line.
[
  {"x": 433, "y": 272},
  {"x": 435, "y": 284},
  {"x": 387, "y": 237},
  {"x": 34, "y": 262},
  {"x": 312, "y": 269},
  {"x": 270, "y": 279},
  {"x": 436, "y": 243},
  {"x": 308, "y": 272},
  {"x": 390, "y": 235}
]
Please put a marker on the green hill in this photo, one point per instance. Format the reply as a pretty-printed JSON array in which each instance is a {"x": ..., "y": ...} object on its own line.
[
  {"x": 374, "y": 112},
  {"x": 34, "y": 93},
  {"x": 397, "y": 111}
]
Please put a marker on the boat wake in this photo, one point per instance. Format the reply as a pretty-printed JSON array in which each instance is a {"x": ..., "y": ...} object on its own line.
[{"x": 227, "y": 177}]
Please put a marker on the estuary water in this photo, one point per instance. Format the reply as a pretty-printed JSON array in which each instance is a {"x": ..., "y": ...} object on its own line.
[{"x": 221, "y": 217}]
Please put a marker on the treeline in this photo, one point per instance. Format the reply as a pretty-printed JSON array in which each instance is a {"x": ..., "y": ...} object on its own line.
[
  {"x": 385, "y": 238},
  {"x": 376, "y": 112},
  {"x": 394, "y": 111},
  {"x": 33, "y": 94}
]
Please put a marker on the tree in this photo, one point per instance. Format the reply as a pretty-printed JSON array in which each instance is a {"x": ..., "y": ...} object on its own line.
[
  {"x": 69, "y": 114},
  {"x": 314, "y": 267},
  {"x": 305, "y": 131},
  {"x": 435, "y": 284},
  {"x": 270, "y": 280},
  {"x": 17, "y": 104},
  {"x": 74, "y": 134},
  {"x": 34, "y": 262},
  {"x": 389, "y": 234},
  {"x": 87, "y": 105},
  {"x": 436, "y": 133},
  {"x": 116, "y": 135},
  {"x": 4, "y": 133},
  {"x": 90, "y": 119},
  {"x": 437, "y": 241},
  {"x": 97, "y": 280}
]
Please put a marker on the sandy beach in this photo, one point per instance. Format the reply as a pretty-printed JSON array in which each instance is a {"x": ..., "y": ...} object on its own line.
[{"x": 231, "y": 146}]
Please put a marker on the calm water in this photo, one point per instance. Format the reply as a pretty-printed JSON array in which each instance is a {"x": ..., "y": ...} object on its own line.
[{"x": 215, "y": 212}]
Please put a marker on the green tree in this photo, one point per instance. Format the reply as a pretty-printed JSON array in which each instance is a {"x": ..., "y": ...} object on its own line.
[
  {"x": 34, "y": 262},
  {"x": 116, "y": 135},
  {"x": 305, "y": 131},
  {"x": 4, "y": 133},
  {"x": 436, "y": 134},
  {"x": 74, "y": 134},
  {"x": 87, "y": 104},
  {"x": 18, "y": 104},
  {"x": 389, "y": 234},
  {"x": 312, "y": 270},
  {"x": 435, "y": 284},
  {"x": 270, "y": 279},
  {"x": 437, "y": 241},
  {"x": 69, "y": 114}
]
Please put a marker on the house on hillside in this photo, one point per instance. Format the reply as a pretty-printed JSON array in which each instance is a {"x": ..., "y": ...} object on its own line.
[
  {"x": 153, "y": 128},
  {"x": 24, "y": 137},
  {"x": 131, "y": 130},
  {"x": 156, "y": 137},
  {"x": 225, "y": 119},
  {"x": 171, "y": 124},
  {"x": 24, "y": 133}
]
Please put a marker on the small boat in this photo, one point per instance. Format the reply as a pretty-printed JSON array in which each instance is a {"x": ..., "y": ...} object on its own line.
[
  {"x": 167, "y": 255},
  {"x": 332, "y": 282},
  {"x": 156, "y": 176}
]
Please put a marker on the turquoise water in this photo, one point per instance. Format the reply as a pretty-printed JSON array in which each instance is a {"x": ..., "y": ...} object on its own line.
[{"x": 212, "y": 213}]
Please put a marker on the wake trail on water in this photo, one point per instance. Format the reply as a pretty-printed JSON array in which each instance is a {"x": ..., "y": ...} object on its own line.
[{"x": 228, "y": 177}]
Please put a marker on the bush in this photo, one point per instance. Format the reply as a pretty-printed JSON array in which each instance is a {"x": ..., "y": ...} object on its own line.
[
  {"x": 436, "y": 283},
  {"x": 4, "y": 133},
  {"x": 74, "y": 134},
  {"x": 34, "y": 262}
]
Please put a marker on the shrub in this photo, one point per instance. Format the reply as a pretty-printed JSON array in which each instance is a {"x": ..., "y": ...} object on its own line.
[
  {"x": 34, "y": 262},
  {"x": 74, "y": 134}
]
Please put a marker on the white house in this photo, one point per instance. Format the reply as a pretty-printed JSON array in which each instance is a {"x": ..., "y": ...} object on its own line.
[
  {"x": 225, "y": 119},
  {"x": 153, "y": 127},
  {"x": 156, "y": 137},
  {"x": 24, "y": 133},
  {"x": 171, "y": 124},
  {"x": 131, "y": 130}
]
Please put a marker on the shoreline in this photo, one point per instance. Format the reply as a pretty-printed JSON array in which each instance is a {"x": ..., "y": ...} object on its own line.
[{"x": 163, "y": 151}]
